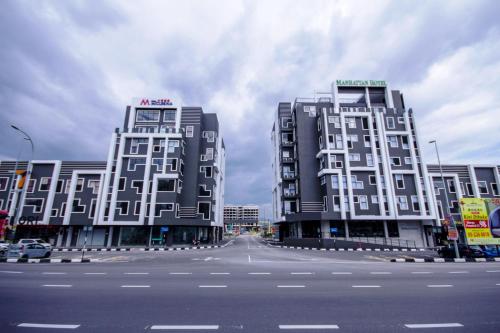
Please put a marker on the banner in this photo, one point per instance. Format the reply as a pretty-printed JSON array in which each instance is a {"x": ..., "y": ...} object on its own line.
[{"x": 481, "y": 218}]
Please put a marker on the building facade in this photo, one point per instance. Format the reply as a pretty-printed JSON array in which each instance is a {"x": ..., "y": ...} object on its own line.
[
  {"x": 347, "y": 163},
  {"x": 162, "y": 183},
  {"x": 240, "y": 217}
]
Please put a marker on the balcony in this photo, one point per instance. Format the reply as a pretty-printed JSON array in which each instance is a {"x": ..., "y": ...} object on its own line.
[
  {"x": 287, "y": 159},
  {"x": 289, "y": 175},
  {"x": 287, "y": 143},
  {"x": 290, "y": 193}
]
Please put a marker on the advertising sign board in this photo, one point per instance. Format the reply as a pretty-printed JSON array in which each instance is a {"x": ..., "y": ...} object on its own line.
[{"x": 481, "y": 219}]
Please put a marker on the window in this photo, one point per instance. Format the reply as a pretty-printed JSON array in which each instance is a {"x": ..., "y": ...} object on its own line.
[
  {"x": 372, "y": 180},
  {"x": 148, "y": 115},
  {"x": 357, "y": 184},
  {"x": 364, "y": 123},
  {"x": 494, "y": 189},
  {"x": 311, "y": 109},
  {"x": 35, "y": 203},
  {"x": 122, "y": 207},
  {"x": 393, "y": 141},
  {"x": 54, "y": 212},
  {"x": 93, "y": 204},
  {"x": 414, "y": 203},
  {"x": 386, "y": 204},
  {"x": 403, "y": 202},
  {"x": 59, "y": 186},
  {"x": 363, "y": 202},
  {"x": 189, "y": 131},
  {"x": 483, "y": 187},
  {"x": 94, "y": 184},
  {"x": 322, "y": 180},
  {"x": 68, "y": 186},
  {"x": 137, "y": 208},
  {"x": 207, "y": 170},
  {"x": 158, "y": 162},
  {"x": 172, "y": 144},
  {"x": 3, "y": 183},
  {"x": 351, "y": 122},
  {"x": 354, "y": 157},
  {"x": 404, "y": 142},
  {"x": 462, "y": 188},
  {"x": 146, "y": 129},
  {"x": 134, "y": 144},
  {"x": 209, "y": 135},
  {"x": 401, "y": 120},
  {"x": 31, "y": 186},
  {"x": 137, "y": 184},
  {"x": 172, "y": 163},
  {"x": 166, "y": 185},
  {"x": 135, "y": 161},
  {"x": 79, "y": 184},
  {"x": 335, "y": 120},
  {"x": 325, "y": 204},
  {"x": 338, "y": 164},
  {"x": 335, "y": 181},
  {"x": 369, "y": 160},
  {"x": 122, "y": 184},
  {"x": 77, "y": 207},
  {"x": 408, "y": 160},
  {"x": 204, "y": 209},
  {"x": 203, "y": 192},
  {"x": 346, "y": 203},
  {"x": 169, "y": 115},
  {"x": 390, "y": 123},
  {"x": 451, "y": 186},
  {"x": 400, "y": 183},
  {"x": 470, "y": 190},
  {"x": 210, "y": 154},
  {"x": 163, "y": 207},
  {"x": 336, "y": 203},
  {"x": 179, "y": 186},
  {"x": 454, "y": 207},
  {"x": 367, "y": 140},
  {"x": 395, "y": 161},
  {"x": 44, "y": 184},
  {"x": 338, "y": 141},
  {"x": 374, "y": 199}
]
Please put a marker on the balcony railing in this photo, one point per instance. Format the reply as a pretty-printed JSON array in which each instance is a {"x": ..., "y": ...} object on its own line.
[
  {"x": 289, "y": 194},
  {"x": 287, "y": 143},
  {"x": 289, "y": 175},
  {"x": 287, "y": 159}
]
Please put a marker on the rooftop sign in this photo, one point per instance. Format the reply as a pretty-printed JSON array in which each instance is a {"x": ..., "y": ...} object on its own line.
[
  {"x": 361, "y": 83},
  {"x": 154, "y": 102}
]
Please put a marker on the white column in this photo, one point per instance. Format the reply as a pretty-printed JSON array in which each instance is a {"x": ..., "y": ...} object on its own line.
[{"x": 325, "y": 229}]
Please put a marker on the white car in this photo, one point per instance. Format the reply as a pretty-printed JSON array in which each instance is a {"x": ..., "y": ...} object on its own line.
[
  {"x": 34, "y": 250},
  {"x": 4, "y": 248},
  {"x": 26, "y": 241}
]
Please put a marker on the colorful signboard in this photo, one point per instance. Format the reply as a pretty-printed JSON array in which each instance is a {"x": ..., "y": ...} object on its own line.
[
  {"x": 481, "y": 218},
  {"x": 155, "y": 102},
  {"x": 360, "y": 83}
]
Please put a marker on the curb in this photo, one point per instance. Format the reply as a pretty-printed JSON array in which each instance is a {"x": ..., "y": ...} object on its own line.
[
  {"x": 441, "y": 260},
  {"x": 47, "y": 261},
  {"x": 126, "y": 249},
  {"x": 347, "y": 249}
]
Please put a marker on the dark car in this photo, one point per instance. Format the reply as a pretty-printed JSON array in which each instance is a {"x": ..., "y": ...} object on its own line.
[
  {"x": 490, "y": 251},
  {"x": 464, "y": 251}
]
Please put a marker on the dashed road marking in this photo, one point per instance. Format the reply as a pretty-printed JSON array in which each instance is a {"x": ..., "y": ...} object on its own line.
[
  {"x": 185, "y": 327},
  {"x": 421, "y": 272},
  {"x": 439, "y": 285},
  {"x": 301, "y": 273},
  {"x": 180, "y": 273},
  {"x": 136, "y": 273},
  {"x": 59, "y": 326},
  {"x": 220, "y": 273},
  {"x": 366, "y": 286},
  {"x": 308, "y": 327},
  {"x": 213, "y": 286},
  {"x": 496, "y": 271},
  {"x": 11, "y": 272},
  {"x": 135, "y": 286},
  {"x": 458, "y": 272},
  {"x": 380, "y": 273},
  {"x": 96, "y": 273},
  {"x": 443, "y": 325},
  {"x": 53, "y": 273},
  {"x": 259, "y": 273},
  {"x": 58, "y": 285},
  {"x": 341, "y": 273},
  {"x": 289, "y": 286}
]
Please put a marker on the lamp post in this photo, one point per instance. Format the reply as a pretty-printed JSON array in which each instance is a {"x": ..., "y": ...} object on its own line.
[
  {"x": 457, "y": 254},
  {"x": 28, "y": 169}
]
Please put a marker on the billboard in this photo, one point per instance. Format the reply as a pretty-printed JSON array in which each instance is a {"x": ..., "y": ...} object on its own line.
[{"x": 481, "y": 218}]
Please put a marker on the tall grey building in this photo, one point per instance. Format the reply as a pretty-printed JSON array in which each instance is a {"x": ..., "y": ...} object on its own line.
[
  {"x": 162, "y": 183},
  {"x": 348, "y": 163}
]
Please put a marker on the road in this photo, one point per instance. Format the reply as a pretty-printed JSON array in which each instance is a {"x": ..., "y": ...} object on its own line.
[{"x": 250, "y": 287}]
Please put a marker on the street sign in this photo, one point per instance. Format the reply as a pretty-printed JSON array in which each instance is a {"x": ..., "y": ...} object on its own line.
[
  {"x": 334, "y": 230},
  {"x": 163, "y": 229}
]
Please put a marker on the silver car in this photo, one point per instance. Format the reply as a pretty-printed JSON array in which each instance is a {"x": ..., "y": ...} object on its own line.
[
  {"x": 24, "y": 241},
  {"x": 35, "y": 250}
]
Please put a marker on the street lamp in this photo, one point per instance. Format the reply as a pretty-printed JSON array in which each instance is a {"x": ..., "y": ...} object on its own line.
[
  {"x": 457, "y": 254},
  {"x": 28, "y": 171}
]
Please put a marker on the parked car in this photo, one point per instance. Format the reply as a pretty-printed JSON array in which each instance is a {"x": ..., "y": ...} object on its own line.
[
  {"x": 35, "y": 250},
  {"x": 464, "y": 251},
  {"x": 4, "y": 248},
  {"x": 490, "y": 251},
  {"x": 25, "y": 241}
]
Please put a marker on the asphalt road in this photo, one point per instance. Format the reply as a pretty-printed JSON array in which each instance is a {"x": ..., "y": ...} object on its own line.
[{"x": 249, "y": 287}]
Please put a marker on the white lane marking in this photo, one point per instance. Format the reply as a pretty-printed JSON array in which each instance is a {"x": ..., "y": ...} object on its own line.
[
  {"x": 180, "y": 273},
  {"x": 439, "y": 285},
  {"x": 213, "y": 286},
  {"x": 290, "y": 286},
  {"x": 138, "y": 273},
  {"x": 135, "y": 286},
  {"x": 308, "y": 327},
  {"x": 380, "y": 273},
  {"x": 11, "y": 272},
  {"x": 421, "y": 272},
  {"x": 53, "y": 273},
  {"x": 301, "y": 273},
  {"x": 249, "y": 259},
  {"x": 497, "y": 271},
  {"x": 459, "y": 272},
  {"x": 259, "y": 273},
  {"x": 366, "y": 286},
  {"x": 58, "y": 285},
  {"x": 220, "y": 273},
  {"x": 185, "y": 327},
  {"x": 341, "y": 273},
  {"x": 63, "y": 326},
  {"x": 498, "y": 284},
  {"x": 434, "y": 325},
  {"x": 95, "y": 273}
]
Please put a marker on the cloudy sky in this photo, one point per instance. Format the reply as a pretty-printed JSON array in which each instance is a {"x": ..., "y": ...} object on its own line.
[{"x": 68, "y": 68}]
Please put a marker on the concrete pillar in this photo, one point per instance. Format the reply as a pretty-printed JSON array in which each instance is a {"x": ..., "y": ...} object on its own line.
[
  {"x": 325, "y": 229},
  {"x": 299, "y": 229},
  {"x": 150, "y": 236},
  {"x": 110, "y": 237},
  {"x": 346, "y": 229},
  {"x": 60, "y": 237},
  {"x": 386, "y": 231},
  {"x": 68, "y": 237}
]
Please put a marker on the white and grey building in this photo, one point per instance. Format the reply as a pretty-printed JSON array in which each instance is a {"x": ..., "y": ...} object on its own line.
[
  {"x": 348, "y": 163},
  {"x": 240, "y": 216},
  {"x": 162, "y": 183}
]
